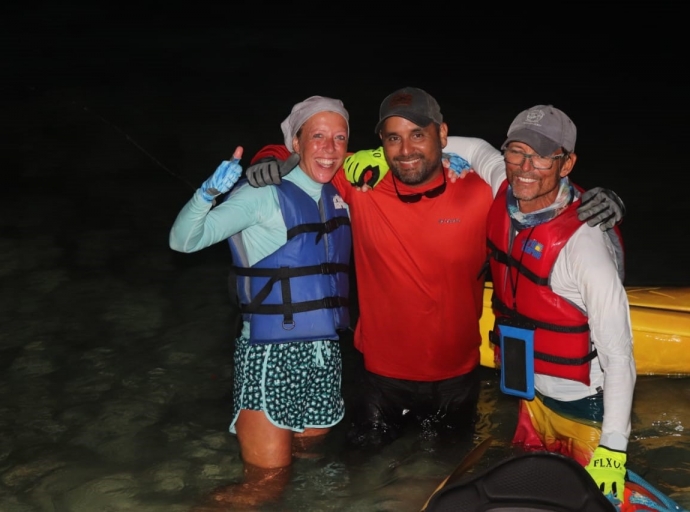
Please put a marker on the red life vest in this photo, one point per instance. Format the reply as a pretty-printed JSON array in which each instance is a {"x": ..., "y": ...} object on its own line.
[{"x": 520, "y": 275}]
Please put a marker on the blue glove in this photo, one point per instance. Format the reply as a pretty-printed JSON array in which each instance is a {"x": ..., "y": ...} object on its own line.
[
  {"x": 607, "y": 468},
  {"x": 222, "y": 180},
  {"x": 601, "y": 206},
  {"x": 457, "y": 163},
  {"x": 269, "y": 171}
]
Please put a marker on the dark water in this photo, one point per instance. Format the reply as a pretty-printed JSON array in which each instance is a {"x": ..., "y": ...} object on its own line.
[{"x": 115, "y": 351}]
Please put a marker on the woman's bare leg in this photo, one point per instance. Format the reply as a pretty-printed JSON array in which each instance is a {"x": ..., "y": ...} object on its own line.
[
  {"x": 262, "y": 443},
  {"x": 267, "y": 455}
]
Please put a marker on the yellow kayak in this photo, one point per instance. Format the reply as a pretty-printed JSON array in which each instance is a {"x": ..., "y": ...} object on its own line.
[{"x": 661, "y": 329}]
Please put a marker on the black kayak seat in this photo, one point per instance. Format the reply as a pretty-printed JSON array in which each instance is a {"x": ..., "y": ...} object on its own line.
[{"x": 531, "y": 482}]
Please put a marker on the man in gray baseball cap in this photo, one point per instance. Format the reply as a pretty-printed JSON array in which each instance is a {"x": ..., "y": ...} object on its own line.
[
  {"x": 577, "y": 376},
  {"x": 411, "y": 103}
]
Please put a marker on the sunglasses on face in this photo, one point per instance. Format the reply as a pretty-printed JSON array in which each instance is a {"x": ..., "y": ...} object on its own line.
[{"x": 415, "y": 198}]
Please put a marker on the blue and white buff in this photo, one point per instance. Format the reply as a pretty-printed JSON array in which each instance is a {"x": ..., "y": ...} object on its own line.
[{"x": 566, "y": 195}]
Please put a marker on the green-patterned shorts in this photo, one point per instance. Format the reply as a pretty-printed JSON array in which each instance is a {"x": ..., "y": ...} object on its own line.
[{"x": 297, "y": 385}]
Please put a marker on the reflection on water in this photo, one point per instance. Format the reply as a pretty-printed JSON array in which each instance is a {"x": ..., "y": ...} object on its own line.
[
  {"x": 660, "y": 448},
  {"x": 115, "y": 395}
]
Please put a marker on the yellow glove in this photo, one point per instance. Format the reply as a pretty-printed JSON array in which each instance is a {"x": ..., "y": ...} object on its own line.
[
  {"x": 607, "y": 468},
  {"x": 366, "y": 167}
]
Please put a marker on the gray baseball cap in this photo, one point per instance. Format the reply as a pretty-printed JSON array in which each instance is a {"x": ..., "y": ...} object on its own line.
[
  {"x": 411, "y": 103},
  {"x": 544, "y": 128}
]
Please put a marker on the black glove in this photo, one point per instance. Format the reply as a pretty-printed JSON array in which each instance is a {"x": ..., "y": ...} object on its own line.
[
  {"x": 270, "y": 170},
  {"x": 601, "y": 206}
]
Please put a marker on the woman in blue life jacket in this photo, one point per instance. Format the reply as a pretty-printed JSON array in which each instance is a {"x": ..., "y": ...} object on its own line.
[{"x": 291, "y": 248}]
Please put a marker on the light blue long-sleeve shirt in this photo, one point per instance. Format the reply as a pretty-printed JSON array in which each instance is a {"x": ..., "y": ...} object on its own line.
[{"x": 253, "y": 211}]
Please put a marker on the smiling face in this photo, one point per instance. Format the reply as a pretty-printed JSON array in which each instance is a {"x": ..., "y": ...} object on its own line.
[
  {"x": 322, "y": 145},
  {"x": 412, "y": 152},
  {"x": 536, "y": 188}
]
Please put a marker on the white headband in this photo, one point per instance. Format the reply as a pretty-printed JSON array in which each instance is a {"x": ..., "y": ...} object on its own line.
[{"x": 301, "y": 112}]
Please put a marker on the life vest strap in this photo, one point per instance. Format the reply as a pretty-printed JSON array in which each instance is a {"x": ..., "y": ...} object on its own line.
[
  {"x": 566, "y": 360},
  {"x": 288, "y": 272},
  {"x": 501, "y": 308},
  {"x": 511, "y": 262},
  {"x": 283, "y": 274},
  {"x": 321, "y": 228},
  {"x": 298, "y": 307}
]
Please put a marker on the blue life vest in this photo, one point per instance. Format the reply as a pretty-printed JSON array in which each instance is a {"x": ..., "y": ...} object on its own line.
[{"x": 301, "y": 291}]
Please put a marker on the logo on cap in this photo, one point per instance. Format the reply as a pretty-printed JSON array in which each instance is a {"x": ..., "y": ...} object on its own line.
[
  {"x": 534, "y": 116},
  {"x": 402, "y": 99}
]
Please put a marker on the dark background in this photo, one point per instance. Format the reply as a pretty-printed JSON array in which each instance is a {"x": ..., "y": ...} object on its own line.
[
  {"x": 112, "y": 113},
  {"x": 162, "y": 92}
]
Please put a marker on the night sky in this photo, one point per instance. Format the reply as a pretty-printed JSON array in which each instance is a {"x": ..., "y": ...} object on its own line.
[{"x": 184, "y": 84}]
